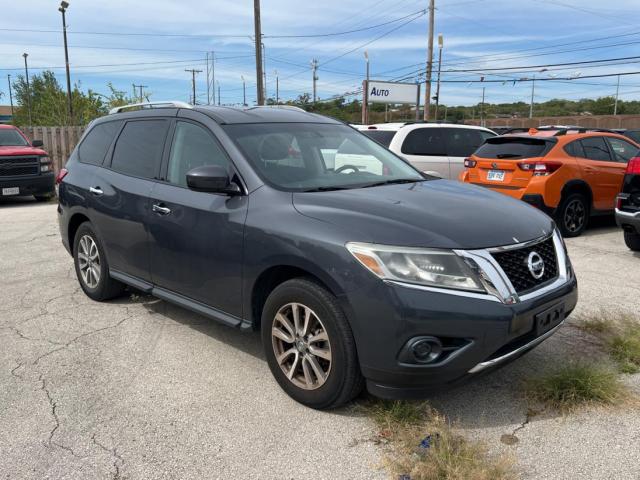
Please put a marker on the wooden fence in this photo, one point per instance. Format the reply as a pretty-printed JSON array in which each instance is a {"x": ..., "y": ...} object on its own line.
[
  {"x": 589, "y": 121},
  {"x": 59, "y": 142}
]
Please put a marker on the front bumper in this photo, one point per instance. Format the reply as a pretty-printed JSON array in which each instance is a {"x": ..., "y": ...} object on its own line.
[
  {"x": 628, "y": 221},
  {"x": 493, "y": 333},
  {"x": 43, "y": 184}
]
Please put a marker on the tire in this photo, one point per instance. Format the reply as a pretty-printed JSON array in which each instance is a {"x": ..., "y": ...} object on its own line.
[
  {"x": 572, "y": 215},
  {"x": 44, "y": 198},
  {"x": 86, "y": 243},
  {"x": 343, "y": 380},
  {"x": 632, "y": 240}
]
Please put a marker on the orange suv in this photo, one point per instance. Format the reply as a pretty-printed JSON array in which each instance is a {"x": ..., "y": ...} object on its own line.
[{"x": 570, "y": 173}]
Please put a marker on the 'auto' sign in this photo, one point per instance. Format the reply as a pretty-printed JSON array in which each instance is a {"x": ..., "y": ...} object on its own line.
[{"x": 392, "y": 92}]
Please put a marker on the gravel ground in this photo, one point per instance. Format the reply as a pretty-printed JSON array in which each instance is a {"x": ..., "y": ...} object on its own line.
[{"x": 137, "y": 388}]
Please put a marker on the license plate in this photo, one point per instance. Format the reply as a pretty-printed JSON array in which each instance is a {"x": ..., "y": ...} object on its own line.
[
  {"x": 11, "y": 191},
  {"x": 495, "y": 175},
  {"x": 549, "y": 318}
]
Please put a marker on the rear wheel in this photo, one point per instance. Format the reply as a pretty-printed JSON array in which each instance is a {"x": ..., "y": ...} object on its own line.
[
  {"x": 632, "y": 240},
  {"x": 572, "y": 215},
  {"x": 309, "y": 345},
  {"x": 91, "y": 265}
]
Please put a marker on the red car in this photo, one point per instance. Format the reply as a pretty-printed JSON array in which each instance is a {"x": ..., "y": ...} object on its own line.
[{"x": 25, "y": 169}]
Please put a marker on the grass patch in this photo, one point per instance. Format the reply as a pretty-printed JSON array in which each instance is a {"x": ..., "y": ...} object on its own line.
[
  {"x": 621, "y": 336},
  {"x": 424, "y": 446},
  {"x": 576, "y": 385}
]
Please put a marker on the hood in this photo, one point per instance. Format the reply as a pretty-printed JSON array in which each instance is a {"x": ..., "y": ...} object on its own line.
[
  {"x": 436, "y": 213},
  {"x": 18, "y": 150}
]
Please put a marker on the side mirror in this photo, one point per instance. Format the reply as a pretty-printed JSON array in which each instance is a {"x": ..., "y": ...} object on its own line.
[
  {"x": 212, "y": 178},
  {"x": 37, "y": 143}
]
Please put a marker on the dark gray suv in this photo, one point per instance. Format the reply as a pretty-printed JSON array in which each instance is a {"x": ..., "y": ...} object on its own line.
[{"x": 356, "y": 268}]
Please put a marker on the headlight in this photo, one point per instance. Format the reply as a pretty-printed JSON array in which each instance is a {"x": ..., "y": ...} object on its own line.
[
  {"x": 45, "y": 160},
  {"x": 432, "y": 267}
]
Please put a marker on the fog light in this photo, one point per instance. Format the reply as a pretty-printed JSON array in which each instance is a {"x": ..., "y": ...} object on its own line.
[{"x": 426, "y": 349}]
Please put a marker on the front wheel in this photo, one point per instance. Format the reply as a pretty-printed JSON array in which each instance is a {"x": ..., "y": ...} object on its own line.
[
  {"x": 572, "y": 215},
  {"x": 632, "y": 240},
  {"x": 309, "y": 345}
]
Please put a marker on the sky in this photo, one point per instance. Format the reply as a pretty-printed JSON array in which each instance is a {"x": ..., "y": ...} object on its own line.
[{"x": 152, "y": 42}]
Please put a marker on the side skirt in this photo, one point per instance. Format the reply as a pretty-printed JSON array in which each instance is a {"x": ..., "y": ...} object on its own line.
[{"x": 182, "y": 301}]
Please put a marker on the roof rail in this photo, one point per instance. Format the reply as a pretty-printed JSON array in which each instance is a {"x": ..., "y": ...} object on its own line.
[
  {"x": 286, "y": 107},
  {"x": 564, "y": 131},
  {"x": 162, "y": 104}
]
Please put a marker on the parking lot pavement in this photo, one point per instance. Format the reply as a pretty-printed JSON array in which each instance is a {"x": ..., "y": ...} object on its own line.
[{"x": 137, "y": 388}]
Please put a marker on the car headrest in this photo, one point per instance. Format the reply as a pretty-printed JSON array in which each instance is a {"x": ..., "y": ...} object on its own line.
[{"x": 275, "y": 147}]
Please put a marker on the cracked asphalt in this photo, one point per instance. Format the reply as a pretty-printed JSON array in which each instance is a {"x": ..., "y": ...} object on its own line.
[{"x": 137, "y": 388}]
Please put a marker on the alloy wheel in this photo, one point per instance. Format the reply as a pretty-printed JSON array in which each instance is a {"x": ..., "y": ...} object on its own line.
[
  {"x": 301, "y": 346},
  {"x": 574, "y": 216},
  {"x": 89, "y": 261}
]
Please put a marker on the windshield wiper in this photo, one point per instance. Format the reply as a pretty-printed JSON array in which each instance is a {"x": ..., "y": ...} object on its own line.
[
  {"x": 326, "y": 189},
  {"x": 392, "y": 182}
]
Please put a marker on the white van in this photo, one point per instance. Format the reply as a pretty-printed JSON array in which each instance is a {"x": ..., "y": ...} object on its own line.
[{"x": 435, "y": 148}]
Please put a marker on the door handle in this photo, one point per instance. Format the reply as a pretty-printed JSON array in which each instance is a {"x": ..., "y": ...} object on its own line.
[
  {"x": 96, "y": 190},
  {"x": 160, "y": 209}
]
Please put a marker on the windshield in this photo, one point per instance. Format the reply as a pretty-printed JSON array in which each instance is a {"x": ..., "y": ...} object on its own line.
[
  {"x": 315, "y": 156},
  {"x": 10, "y": 137}
]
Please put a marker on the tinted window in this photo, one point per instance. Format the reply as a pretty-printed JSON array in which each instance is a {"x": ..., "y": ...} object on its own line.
[
  {"x": 193, "y": 146},
  {"x": 9, "y": 136},
  {"x": 462, "y": 142},
  {"x": 138, "y": 151},
  {"x": 513, "y": 147},
  {"x": 623, "y": 151},
  {"x": 381, "y": 136},
  {"x": 425, "y": 141},
  {"x": 633, "y": 135},
  {"x": 312, "y": 156},
  {"x": 595, "y": 148},
  {"x": 95, "y": 145},
  {"x": 574, "y": 149}
]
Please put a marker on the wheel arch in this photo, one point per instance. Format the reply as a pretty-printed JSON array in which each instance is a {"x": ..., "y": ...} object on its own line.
[
  {"x": 577, "y": 186},
  {"x": 75, "y": 221},
  {"x": 276, "y": 274}
]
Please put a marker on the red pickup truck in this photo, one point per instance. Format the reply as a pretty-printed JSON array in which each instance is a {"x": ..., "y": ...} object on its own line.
[{"x": 25, "y": 169}]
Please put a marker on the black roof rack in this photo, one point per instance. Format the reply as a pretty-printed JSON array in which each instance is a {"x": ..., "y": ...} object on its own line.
[{"x": 564, "y": 131}]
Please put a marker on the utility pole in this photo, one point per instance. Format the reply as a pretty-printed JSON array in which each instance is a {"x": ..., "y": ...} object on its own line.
[
  {"x": 533, "y": 90},
  {"x": 277, "y": 87},
  {"x": 440, "y": 45},
  {"x": 365, "y": 92},
  {"x": 244, "y": 91},
  {"x": 140, "y": 87},
  {"x": 314, "y": 69},
  {"x": 10, "y": 94},
  {"x": 193, "y": 72},
  {"x": 211, "y": 78},
  {"x": 26, "y": 72},
  {"x": 63, "y": 9},
  {"x": 258, "y": 39},
  {"x": 218, "y": 93},
  {"x": 264, "y": 74},
  {"x": 615, "y": 105},
  {"x": 482, "y": 122},
  {"x": 427, "y": 96}
]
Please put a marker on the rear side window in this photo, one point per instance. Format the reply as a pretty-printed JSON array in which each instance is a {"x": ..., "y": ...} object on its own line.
[
  {"x": 575, "y": 149},
  {"x": 138, "y": 151},
  {"x": 622, "y": 150},
  {"x": 383, "y": 137},
  {"x": 425, "y": 141},
  {"x": 633, "y": 135},
  {"x": 462, "y": 142},
  {"x": 94, "y": 147},
  {"x": 514, "y": 147},
  {"x": 595, "y": 148}
]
